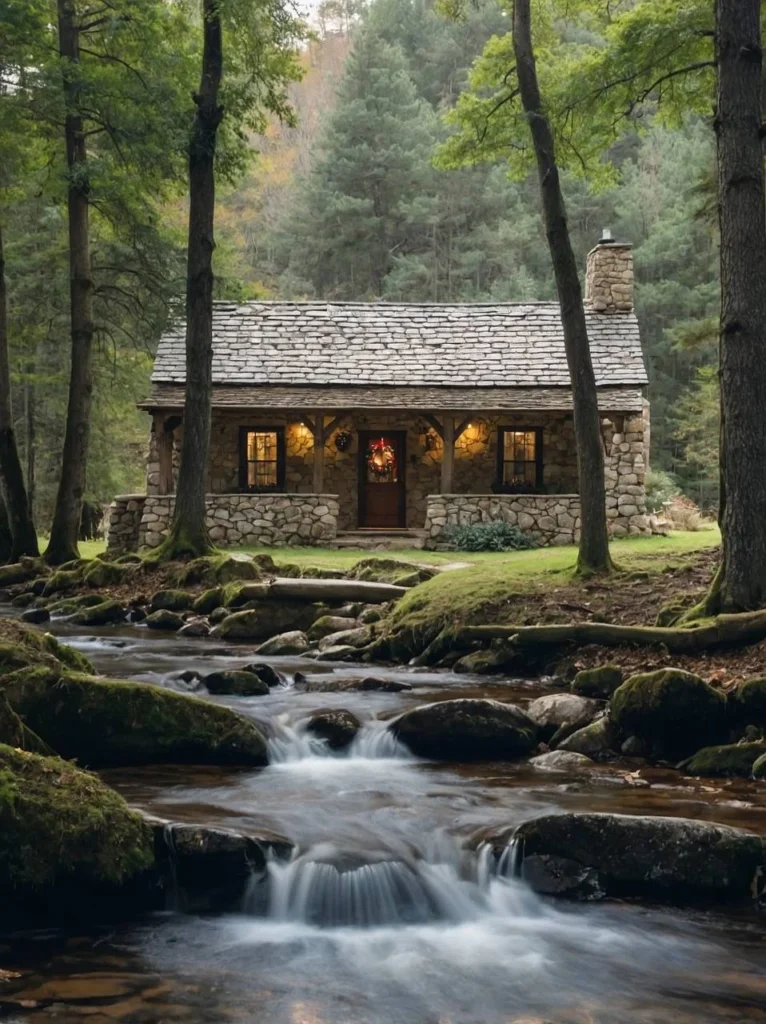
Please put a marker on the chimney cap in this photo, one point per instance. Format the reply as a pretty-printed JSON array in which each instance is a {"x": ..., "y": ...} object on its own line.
[{"x": 607, "y": 238}]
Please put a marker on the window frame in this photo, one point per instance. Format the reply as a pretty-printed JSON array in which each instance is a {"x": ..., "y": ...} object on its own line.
[
  {"x": 538, "y": 432},
  {"x": 243, "y": 460}
]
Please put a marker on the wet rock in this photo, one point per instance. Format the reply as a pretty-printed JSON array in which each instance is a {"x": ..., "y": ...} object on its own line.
[
  {"x": 370, "y": 614},
  {"x": 208, "y": 601},
  {"x": 15, "y": 734},
  {"x": 562, "y": 761},
  {"x": 467, "y": 730},
  {"x": 597, "y": 682},
  {"x": 23, "y": 600},
  {"x": 267, "y": 619},
  {"x": 36, "y": 615},
  {"x": 357, "y": 638},
  {"x": 734, "y": 759},
  {"x": 633, "y": 747},
  {"x": 338, "y": 652},
  {"x": 336, "y": 725},
  {"x": 326, "y": 625},
  {"x": 367, "y": 685},
  {"x": 238, "y": 683},
  {"x": 748, "y": 701},
  {"x": 70, "y": 605},
  {"x": 294, "y": 642},
  {"x": 672, "y": 711},
  {"x": 171, "y": 601},
  {"x": 269, "y": 675},
  {"x": 61, "y": 581},
  {"x": 594, "y": 740},
  {"x": 671, "y": 859},
  {"x": 218, "y": 615},
  {"x": 137, "y": 615},
  {"x": 105, "y": 723},
  {"x": 195, "y": 627},
  {"x": 104, "y": 614},
  {"x": 69, "y": 845},
  {"x": 489, "y": 660},
  {"x": 557, "y": 715},
  {"x": 759, "y": 768},
  {"x": 164, "y": 619}
]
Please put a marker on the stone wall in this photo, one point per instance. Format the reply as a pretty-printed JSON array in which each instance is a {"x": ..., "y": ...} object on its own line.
[
  {"x": 550, "y": 518},
  {"x": 272, "y": 520},
  {"x": 124, "y": 522},
  {"x": 624, "y": 473}
]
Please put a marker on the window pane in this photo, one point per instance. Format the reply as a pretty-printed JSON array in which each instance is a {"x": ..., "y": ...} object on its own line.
[
  {"x": 262, "y": 458},
  {"x": 520, "y": 458}
]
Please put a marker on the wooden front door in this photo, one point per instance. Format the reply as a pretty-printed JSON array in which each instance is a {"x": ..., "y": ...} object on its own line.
[{"x": 382, "y": 496}]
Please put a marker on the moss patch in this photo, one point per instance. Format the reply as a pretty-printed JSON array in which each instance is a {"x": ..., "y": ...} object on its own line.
[
  {"x": 106, "y": 723},
  {"x": 734, "y": 759},
  {"x": 21, "y": 646},
  {"x": 597, "y": 682}
]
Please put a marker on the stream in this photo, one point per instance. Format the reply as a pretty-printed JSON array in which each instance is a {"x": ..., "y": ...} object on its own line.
[{"x": 384, "y": 917}]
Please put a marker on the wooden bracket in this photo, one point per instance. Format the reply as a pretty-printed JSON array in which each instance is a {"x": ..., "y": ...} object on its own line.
[{"x": 434, "y": 423}]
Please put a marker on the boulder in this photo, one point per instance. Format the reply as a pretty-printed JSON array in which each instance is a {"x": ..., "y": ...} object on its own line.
[
  {"x": 171, "y": 600},
  {"x": 13, "y": 732},
  {"x": 594, "y": 740},
  {"x": 69, "y": 845},
  {"x": 336, "y": 725},
  {"x": 671, "y": 859},
  {"x": 218, "y": 615},
  {"x": 36, "y": 616},
  {"x": 597, "y": 682},
  {"x": 217, "y": 569},
  {"x": 107, "y": 574},
  {"x": 22, "y": 646},
  {"x": 107, "y": 723},
  {"x": 672, "y": 711},
  {"x": 195, "y": 627},
  {"x": 357, "y": 638},
  {"x": 285, "y": 644},
  {"x": 266, "y": 619},
  {"x": 238, "y": 683},
  {"x": 208, "y": 600},
  {"x": 367, "y": 685},
  {"x": 558, "y": 715},
  {"x": 106, "y": 613},
  {"x": 326, "y": 625},
  {"x": 62, "y": 580},
  {"x": 338, "y": 652},
  {"x": 759, "y": 768},
  {"x": 748, "y": 702},
  {"x": 371, "y": 614},
  {"x": 266, "y": 673},
  {"x": 562, "y": 761},
  {"x": 164, "y": 619},
  {"x": 21, "y": 572},
  {"x": 391, "y": 570},
  {"x": 498, "y": 658},
  {"x": 735, "y": 759},
  {"x": 70, "y": 605},
  {"x": 467, "y": 730}
]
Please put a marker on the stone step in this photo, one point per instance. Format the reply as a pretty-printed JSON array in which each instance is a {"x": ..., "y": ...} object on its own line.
[{"x": 379, "y": 540}]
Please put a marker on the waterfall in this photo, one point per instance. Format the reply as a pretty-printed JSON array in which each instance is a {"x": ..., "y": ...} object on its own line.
[{"x": 290, "y": 742}]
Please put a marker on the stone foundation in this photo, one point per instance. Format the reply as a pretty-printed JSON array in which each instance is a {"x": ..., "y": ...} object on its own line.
[
  {"x": 549, "y": 518},
  {"x": 271, "y": 520},
  {"x": 124, "y": 524}
]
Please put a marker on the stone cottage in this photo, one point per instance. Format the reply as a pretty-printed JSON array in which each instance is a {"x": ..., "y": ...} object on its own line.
[{"x": 352, "y": 423}]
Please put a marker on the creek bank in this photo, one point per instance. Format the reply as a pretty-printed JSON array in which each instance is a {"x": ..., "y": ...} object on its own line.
[{"x": 676, "y": 860}]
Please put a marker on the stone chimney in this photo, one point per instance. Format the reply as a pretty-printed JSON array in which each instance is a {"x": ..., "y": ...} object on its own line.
[{"x": 609, "y": 276}]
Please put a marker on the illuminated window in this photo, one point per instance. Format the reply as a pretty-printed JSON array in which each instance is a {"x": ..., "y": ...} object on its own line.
[
  {"x": 261, "y": 458},
  {"x": 520, "y": 463}
]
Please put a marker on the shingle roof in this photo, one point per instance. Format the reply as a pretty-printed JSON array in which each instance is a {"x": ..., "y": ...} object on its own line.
[
  {"x": 333, "y": 396},
  {"x": 471, "y": 345}
]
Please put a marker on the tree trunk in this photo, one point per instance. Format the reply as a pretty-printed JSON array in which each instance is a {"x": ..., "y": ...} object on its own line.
[
  {"x": 62, "y": 546},
  {"x": 188, "y": 537},
  {"x": 14, "y": 491},
  {"x": 30, "y": 428},
  {"x": 741, "y": 582},
  {"x": 594, "y": 542}
]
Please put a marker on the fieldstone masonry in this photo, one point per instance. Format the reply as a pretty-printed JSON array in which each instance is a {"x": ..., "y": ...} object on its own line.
[
  {"x": 609, "y": 278},
  {"x": 550, "y": 518}
]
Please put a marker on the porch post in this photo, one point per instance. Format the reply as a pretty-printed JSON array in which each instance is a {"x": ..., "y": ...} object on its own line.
[
  {"x": 448, "y": 454},
  {"x": 319, "y": 436},
  {"x": 165, "y": 429}
]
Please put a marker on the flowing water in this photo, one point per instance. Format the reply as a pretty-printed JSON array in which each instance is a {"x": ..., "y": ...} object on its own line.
[{"x": 384, "y": 914}]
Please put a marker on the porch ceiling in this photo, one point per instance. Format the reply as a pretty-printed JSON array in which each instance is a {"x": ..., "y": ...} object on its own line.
[{"x": 458, "y": 399}]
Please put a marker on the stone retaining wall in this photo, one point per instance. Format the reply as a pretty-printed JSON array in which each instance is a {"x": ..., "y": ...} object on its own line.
[
  {"x": 550, "y": 518},
  {"x": 124, "y": 524}
]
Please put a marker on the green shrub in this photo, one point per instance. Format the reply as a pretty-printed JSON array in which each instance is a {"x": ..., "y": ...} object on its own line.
[
  {"x": 660, "y": 487},
  {"x": 493, "y": 536}
]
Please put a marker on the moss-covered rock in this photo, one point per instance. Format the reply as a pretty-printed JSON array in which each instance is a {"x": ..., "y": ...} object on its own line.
[
  {"x": 748, "y": 701},
  {"x": 731, "y": 759},
  {"x": 673, "y": 712},
  {"x": 267, "y": 619},
  {"x": 595, "y": 740},
  {"x": 326, "y": 625},
  {"x": 390, "y": 570},
  {"x": 23, "y": 600},
  {"x": 21, "y": 572},
  {"x": 107, "y": 574},
  {"x": 164, "y": 619},
  {"x": 370, "y": 684},
  {"x": 22, "y": 646},
  {"x": 105, "y": 613},
  {"x": 558, "y": 715},
  {"x": 35, "y": 616},
  {"x": 62, "y": 580},
  {"x": 597, "y": 682},
  {"x": 13, "y": 732},
  {"x": 208, "y": 600},
  {"x": 335, "y": 725},
  {"x": 68, "y": 843},
  {"x": 236, "y": 682},
  {"x": 357, "y": 638},
  {"x": 171, "y": 601},
  {"x": 67, "y": 656},
  {"x": 672, "y": 859},
  {"x": 105, "y": 722},
  {"x": 759, "y": 768},
  {"x": 467, "y": 730},
  {"x": 70, "y": 605},
  {"x": 285, "y": 644},
  {"x": 216, "y": 570}
]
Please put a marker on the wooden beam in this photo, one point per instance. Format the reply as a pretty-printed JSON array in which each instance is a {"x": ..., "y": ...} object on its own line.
[
  {"x": 165, "y": 429},
  {"x": 308, "y": 422},
  {"x": 319, "y": 436},
  {"x": 448, "y": 454},
  {"x": 462, "y": 425},
  {"x": 334, "y": 423},
  {"x": 434, "y": 423}
]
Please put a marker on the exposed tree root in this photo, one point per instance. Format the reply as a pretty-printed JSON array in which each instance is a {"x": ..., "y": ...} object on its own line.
[{"x": 721, "y": 631}]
